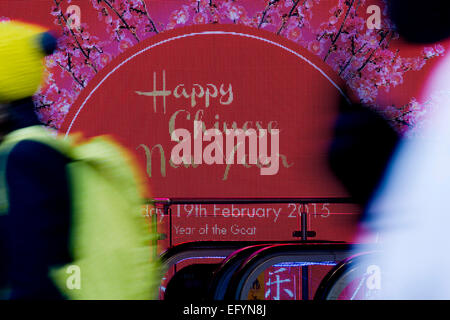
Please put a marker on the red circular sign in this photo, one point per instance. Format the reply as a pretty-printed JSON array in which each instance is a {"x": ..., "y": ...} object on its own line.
[{"x": 177, "y": 100}]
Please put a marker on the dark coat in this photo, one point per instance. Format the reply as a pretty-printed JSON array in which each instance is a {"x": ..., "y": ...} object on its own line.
[{"x": 34, "y": 233}]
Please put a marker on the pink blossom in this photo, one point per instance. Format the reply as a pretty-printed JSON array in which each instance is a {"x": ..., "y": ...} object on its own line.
[
  {"x": 108, "y": 19},
  {"x": 200, "y": 18},
  {"x": 379, "y": 80},
  {"x": 333, "y": 20},
  {"x": 104, "y": 59},
  {"x": 125, "y": 44},
  {"x": 180, "y": 16},
  {"x": 410, "y": 118},
  {"x": 246, "y": 21},
  {"x": 392, "y": 112},
  {"x": 315, "y": 47},
  {"x": 308, "y": 4},
  {"x": 127, "y": 15},
  {"x": 396, "y": 79},
  {"x": 216, "y": 18},
  {"x": 417, "y": 64},
  {"x": 439, "y": 49},
  {"x": 293, "y": 33},
  {"x": 414, "y": 104},
  {"x": 429, "y": 52},
  {"x": 233, "y": 13}
]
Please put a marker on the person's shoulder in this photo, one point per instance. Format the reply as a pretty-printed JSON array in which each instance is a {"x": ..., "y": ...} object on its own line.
[
  {"x": 33, "y": 149},
  {"x": 31, "y": 153}
]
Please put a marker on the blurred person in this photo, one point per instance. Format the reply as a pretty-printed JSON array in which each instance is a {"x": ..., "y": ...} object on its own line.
[
  {"x": 362, "y": 146},
  {"x": 408, "y": 207},
  {"x": 35, "y": 218},
  {"x": 65, "y": 205}
]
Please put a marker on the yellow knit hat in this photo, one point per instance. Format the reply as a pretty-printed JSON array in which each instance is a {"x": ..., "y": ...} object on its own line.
[{"x": 21, "y": 59}]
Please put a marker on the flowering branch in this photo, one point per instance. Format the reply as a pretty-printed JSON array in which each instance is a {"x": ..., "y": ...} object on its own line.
[
  {"x": 126, "y": 26},
  {"x": 333, "y": 41},
  {"x": 265, "y": 11},
  {"x": 85, "y": 54},
  {"x": 148, "y": 17},
  {"x": 289, "y": 15},
  {"x": 383, "y": 37},
  {"x": 69, "y": 69}
]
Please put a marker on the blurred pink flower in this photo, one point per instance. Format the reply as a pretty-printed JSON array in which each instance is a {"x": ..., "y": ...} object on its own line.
[
  {"x": 429, "y": 52},
  {"x": 315, "y": 47},
  {"x": 333, "y": 20},
  {"x": 180, "y": 16},
  {"x": 293, "y": 33},
  {"x": 200, "y": 18},
  {"x": 439, "y": 49},
  {"x": 125, "y": 44}
]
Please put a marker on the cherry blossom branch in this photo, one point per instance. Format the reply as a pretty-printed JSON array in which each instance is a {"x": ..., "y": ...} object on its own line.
[
  {"x": 79, "y": 46},
  {"x": 69, "y": 69},
  {"x": 148, "y": 17},
  {"x": 266, "y": 10},
  {"x": 126, "y": 25},
  {"x": 43, "y": 104},
  {"x": 402, "y": 121},
  {"x": 333, "y": 41},
  {"x": 289, "y": 15},
  {"x": 354, "y": 53},
  {"x": 383, "y": 37}
]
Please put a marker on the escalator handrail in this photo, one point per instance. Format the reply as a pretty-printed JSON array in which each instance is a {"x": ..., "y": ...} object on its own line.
[
  {"x": 210, "y": 246},
  {"x": 337, "y": 272},
  {"x": 282, "y": 253},
  {"x": 225, "y": 271}
]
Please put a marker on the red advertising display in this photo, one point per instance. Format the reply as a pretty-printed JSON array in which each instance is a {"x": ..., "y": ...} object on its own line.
[
  {"x": 191, "y": 100},
  {"x": 202, "y": 108}
]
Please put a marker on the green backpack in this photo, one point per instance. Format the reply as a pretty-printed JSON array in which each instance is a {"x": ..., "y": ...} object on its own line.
[{"x": 111, "y": 243}]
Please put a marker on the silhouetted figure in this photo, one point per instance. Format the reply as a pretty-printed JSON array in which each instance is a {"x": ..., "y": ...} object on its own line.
[
  {"x": 362, "y": 146},
  {"x": 421, "y": 21},
  {"x": 409, "y": 208}
]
